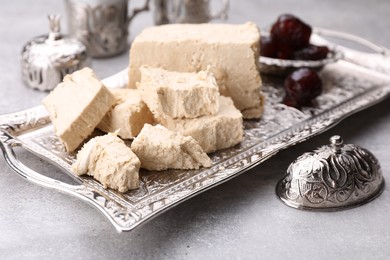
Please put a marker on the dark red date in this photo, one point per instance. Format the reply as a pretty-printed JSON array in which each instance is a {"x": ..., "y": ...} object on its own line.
[
  {"x": 302, "y": 86},
  {"x": 273, "y": 49},
  {"x": 289, "y": 40},
  {"x": 291, "y": 30},
  {"x": 268, "y": 47}
]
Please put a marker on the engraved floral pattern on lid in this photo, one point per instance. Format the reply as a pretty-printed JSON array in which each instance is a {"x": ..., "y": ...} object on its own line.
[{"x": 332, "y": 177}]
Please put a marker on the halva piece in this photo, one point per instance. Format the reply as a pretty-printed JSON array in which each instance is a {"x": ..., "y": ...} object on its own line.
[
  {"x": 161, "y": 149},
  {"x": 179, "y": 94},
  {"x": 232, "y": 51},
  {"x": 213, "y": 132},
  {"x": 128, "y": 116},
  {"x": 110, "y": 161},
  {"x": 76, "y": 107}
]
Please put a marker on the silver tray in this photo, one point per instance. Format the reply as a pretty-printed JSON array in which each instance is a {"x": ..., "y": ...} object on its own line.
[{"x": 349, "y": 86}]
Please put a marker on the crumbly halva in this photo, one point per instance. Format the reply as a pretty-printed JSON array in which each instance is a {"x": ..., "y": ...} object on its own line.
[
  {"x": 161, "y": 149},
  {"x": 178, "y": 94},
  {"x": 76, "y": 106},
  {"x": 128, "y": 116},
  {"x": 232, "y": 51},
  {"x": 213, "y": 132},
  {"x": 110, "y": 161}
]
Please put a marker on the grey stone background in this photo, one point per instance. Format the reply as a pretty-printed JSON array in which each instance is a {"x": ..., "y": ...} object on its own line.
[{"x": 240, "y": 219}]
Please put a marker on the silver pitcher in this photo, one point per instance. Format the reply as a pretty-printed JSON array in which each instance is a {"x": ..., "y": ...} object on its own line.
[
  {"x": 187, "y": 11},
  {"x": 102, "y": 25}
]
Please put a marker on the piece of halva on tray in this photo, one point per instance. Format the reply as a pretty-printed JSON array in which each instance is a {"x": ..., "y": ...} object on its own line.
[
  {"x": 232, "y": 51},
  {"x": 213, "y": 132},
  {"x": 76, "y": 106},
  {"x": 160, "y": 149},
  {"x": 128, "y": 116},
  {"x": 179, "y": 94},
  {"x": 110, "y": 161}
]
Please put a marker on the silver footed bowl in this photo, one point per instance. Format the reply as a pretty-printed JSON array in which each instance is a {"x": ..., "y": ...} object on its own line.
[
  {"x": 333, "y": 177},
  {"x": 283, "y": 67}
]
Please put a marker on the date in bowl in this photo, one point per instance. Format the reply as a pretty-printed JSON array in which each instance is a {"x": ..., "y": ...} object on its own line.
[{"x": 282, "y": 67}]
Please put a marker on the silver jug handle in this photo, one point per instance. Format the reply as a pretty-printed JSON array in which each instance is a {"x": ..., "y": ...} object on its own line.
[
  {"x": 138, "y": 10},
  {"x": 223, "y": 13}
]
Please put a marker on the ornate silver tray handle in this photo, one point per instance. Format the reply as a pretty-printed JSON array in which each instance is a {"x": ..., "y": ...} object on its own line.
[{"x": 348, "y": 88}]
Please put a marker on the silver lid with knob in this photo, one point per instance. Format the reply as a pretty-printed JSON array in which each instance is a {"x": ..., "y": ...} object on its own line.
[
  {"x": 48, "y": 58},
  {"x": 332, "y": 177}
]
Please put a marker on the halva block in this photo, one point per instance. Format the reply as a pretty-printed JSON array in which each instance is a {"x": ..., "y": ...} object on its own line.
[
  {"x": 232, "y": 51},
  {"x": 179, "y": 94},
  {"x": 161, "y": 149},
  {"x": 110, "y": 161},
  {"x": 128, "y": 116},
  {"x": 213, "y": 132},
  {"x": 76, "y": 106}
]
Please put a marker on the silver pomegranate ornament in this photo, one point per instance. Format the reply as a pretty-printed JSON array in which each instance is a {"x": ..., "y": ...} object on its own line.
[{"x": 48, "y": 58}]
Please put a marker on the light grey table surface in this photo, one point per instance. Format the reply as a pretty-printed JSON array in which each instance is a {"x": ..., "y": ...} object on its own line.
[{"x": 240, "y": 219}]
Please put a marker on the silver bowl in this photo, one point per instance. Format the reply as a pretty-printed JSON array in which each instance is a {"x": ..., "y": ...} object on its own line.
[
  {"x": 321, "y": 37},
  {"x": 283, "y": 67}
]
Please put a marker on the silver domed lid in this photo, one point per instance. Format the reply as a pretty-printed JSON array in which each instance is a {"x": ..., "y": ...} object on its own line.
[
  {"x": 333, "y": 177},
  {"x": 48, "y": 58}
]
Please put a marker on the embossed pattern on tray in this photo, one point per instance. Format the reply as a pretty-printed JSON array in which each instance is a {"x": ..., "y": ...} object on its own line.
[{"x": 347, "y": 89}]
